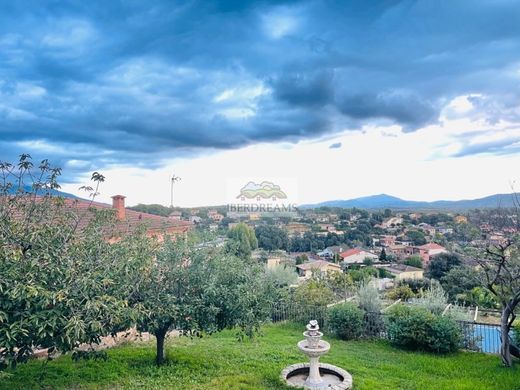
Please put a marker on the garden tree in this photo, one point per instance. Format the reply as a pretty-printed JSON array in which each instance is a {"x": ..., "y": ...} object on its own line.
[
  {"x": 465, "y": 232},
  {"x": 313, "y": 292},
  {"x": 61, "y": 281},
  {"x": 459, "y": 282},
  {"x": 242, "y": 240},
  {"x": 441, "y": 264},
  {"x": 414, "y": 261},
  {"x": 300, "y": 259},
  {"x": 500, "y": 275},
  {"x": 482, "y": 297},
  {"x": 402, "y": 292},
  {"x": 281, "y": 275},
  {"x": 382, "y": 255},
  {"x": 416, "y": 236},
  {"x": 341, "y": 284},
  {"x": 368, "y": 261},
  {"x": 157, "y": 209},
  {"x": 271, "y": 237},
  {"x": 192, "y": 290}
]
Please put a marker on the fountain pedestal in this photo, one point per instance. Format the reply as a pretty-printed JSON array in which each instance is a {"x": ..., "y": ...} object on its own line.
[{"x": 316, "y": 375}]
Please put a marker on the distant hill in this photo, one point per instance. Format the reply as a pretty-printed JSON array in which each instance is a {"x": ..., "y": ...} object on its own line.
[
  {"x": 384, "y": 201},
  {"x": 28, "y": 188}
]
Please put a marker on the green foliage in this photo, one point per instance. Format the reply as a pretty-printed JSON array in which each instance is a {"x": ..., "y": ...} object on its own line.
[
  {"x": 416, "y": 236},
  {"x": 281, "y": 275},
  {"x": 62, "y": 283},
  {"x": 242, "y": 241},
  {"x": 382, "y": 255},
  {"x": 362, "y": 274},
  {"x": 459, "y": 281},
  {"x": 341, "y": 284},
  {"x": 368, "y": 261},
  {"x": 516, "y": 334},
  {"x": 271, "y": 237},
  {"x": 345, "y": 321},
  {"x": 313, "y": 293},
  {"x": 433, "y": 299},
  {"x": 441, "y": 264},
  {"x": 414, "y": 261},
  {"x": 417, "y": 328},
  {"x": 417, "y": 285},
  {"x": 156, "y": 209},
  {"x": 482, "y": 297},
  {"x": 368, "y": 297},
  {"x": 300, "y": 259},
  {"x": 193, "y": 290},
  {"x": 402, "y": 292}
]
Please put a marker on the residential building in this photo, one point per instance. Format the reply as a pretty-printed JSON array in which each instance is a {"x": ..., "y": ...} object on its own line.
[
  {"x": 129, "y": 220},
  {"x": 306, "y": 270},
  {"x": 331, "y": 252},
  {"x": 215, "y": 215},
  {"x": 392, "y": 222},
  {"x": 401, "y": 251},
  {"x": 387, "y": 240},
  {"x": 403, "y": 271},
  {"x": 356, "y": 256},
  {"x": 426, "y": 251},
  {"x": 175, "y": 215}
]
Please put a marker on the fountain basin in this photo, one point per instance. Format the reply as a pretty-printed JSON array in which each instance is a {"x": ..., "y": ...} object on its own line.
[
  {"x": 321, "y": 348},
  {"x": 333, "y": 378}
]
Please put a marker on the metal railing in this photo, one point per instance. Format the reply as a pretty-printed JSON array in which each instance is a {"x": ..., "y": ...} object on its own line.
[{"x": 476, "y": 336}]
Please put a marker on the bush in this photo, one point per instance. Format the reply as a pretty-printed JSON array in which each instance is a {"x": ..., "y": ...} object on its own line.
[
  {"x": 434, "y": 299},
  {"x": 345, "y": 321},
  {"x": 417, "y": 328},
  {"x": 403, "y": 292}
]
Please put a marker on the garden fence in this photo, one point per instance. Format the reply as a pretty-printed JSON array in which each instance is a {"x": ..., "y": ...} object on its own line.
[{"x": 476, "y": 336}]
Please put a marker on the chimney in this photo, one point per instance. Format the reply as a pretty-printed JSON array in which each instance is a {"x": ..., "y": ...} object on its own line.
[{"x": 118, "y": 203}]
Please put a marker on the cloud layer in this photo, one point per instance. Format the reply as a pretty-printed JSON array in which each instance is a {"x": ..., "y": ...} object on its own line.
[{"x": 98, "y": 83}]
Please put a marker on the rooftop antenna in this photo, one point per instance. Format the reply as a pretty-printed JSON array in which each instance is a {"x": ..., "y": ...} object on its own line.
[{"x": 173, "y": 180}]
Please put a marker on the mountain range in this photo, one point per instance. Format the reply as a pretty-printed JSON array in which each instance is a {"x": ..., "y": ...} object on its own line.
[{"x": 384, "y": 201}]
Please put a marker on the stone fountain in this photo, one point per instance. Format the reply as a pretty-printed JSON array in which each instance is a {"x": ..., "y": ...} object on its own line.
[{"x": 315, "y": 375}]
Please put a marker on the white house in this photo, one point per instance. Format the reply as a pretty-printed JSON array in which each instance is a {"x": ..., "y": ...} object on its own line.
[{"x": 357, "y": 255}]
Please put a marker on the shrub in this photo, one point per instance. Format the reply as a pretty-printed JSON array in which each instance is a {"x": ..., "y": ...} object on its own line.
[
  {"x": 368, "y": 297},
  {"x": 417, "y": 328},
  {"x": 434, "y": 299},
  {"x": 345, "y": 321},
  {"x": 403, "y": 292}
]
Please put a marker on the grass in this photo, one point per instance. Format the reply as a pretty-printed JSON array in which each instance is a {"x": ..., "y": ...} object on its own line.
[{"x": 220, "y": 362}]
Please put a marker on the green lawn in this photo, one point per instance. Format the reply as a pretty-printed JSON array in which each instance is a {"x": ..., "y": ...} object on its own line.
[{"x": 220, "y": 362}]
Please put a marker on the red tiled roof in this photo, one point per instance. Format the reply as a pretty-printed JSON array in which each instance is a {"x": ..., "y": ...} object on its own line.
[
  {"x": 351, "y": 252},
  {"x": 315, "y": 264},
  {"x": 431, "y": 245},
  {"x": 133, "y": 219}
]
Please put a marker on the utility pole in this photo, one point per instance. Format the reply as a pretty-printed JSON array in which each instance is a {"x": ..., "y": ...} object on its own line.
[{"x": 173, "y": 180}]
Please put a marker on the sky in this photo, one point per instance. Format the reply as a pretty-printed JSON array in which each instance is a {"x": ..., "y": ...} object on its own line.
[{"x": 417, "y": 99}]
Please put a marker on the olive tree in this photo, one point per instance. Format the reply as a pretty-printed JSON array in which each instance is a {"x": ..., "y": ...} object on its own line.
[{"x": 193, "y": 290}]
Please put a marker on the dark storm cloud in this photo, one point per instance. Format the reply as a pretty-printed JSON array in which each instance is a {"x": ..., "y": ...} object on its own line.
[{"x": 127, "y": 82}]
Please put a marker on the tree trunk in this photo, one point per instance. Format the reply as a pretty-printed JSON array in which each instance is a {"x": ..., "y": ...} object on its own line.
[
  {"x": 160, "y": 335},
  {"x": 505, "y": 326}
]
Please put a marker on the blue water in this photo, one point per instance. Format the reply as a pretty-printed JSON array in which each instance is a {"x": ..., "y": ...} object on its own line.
[{"x": 487, "y": 337}]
